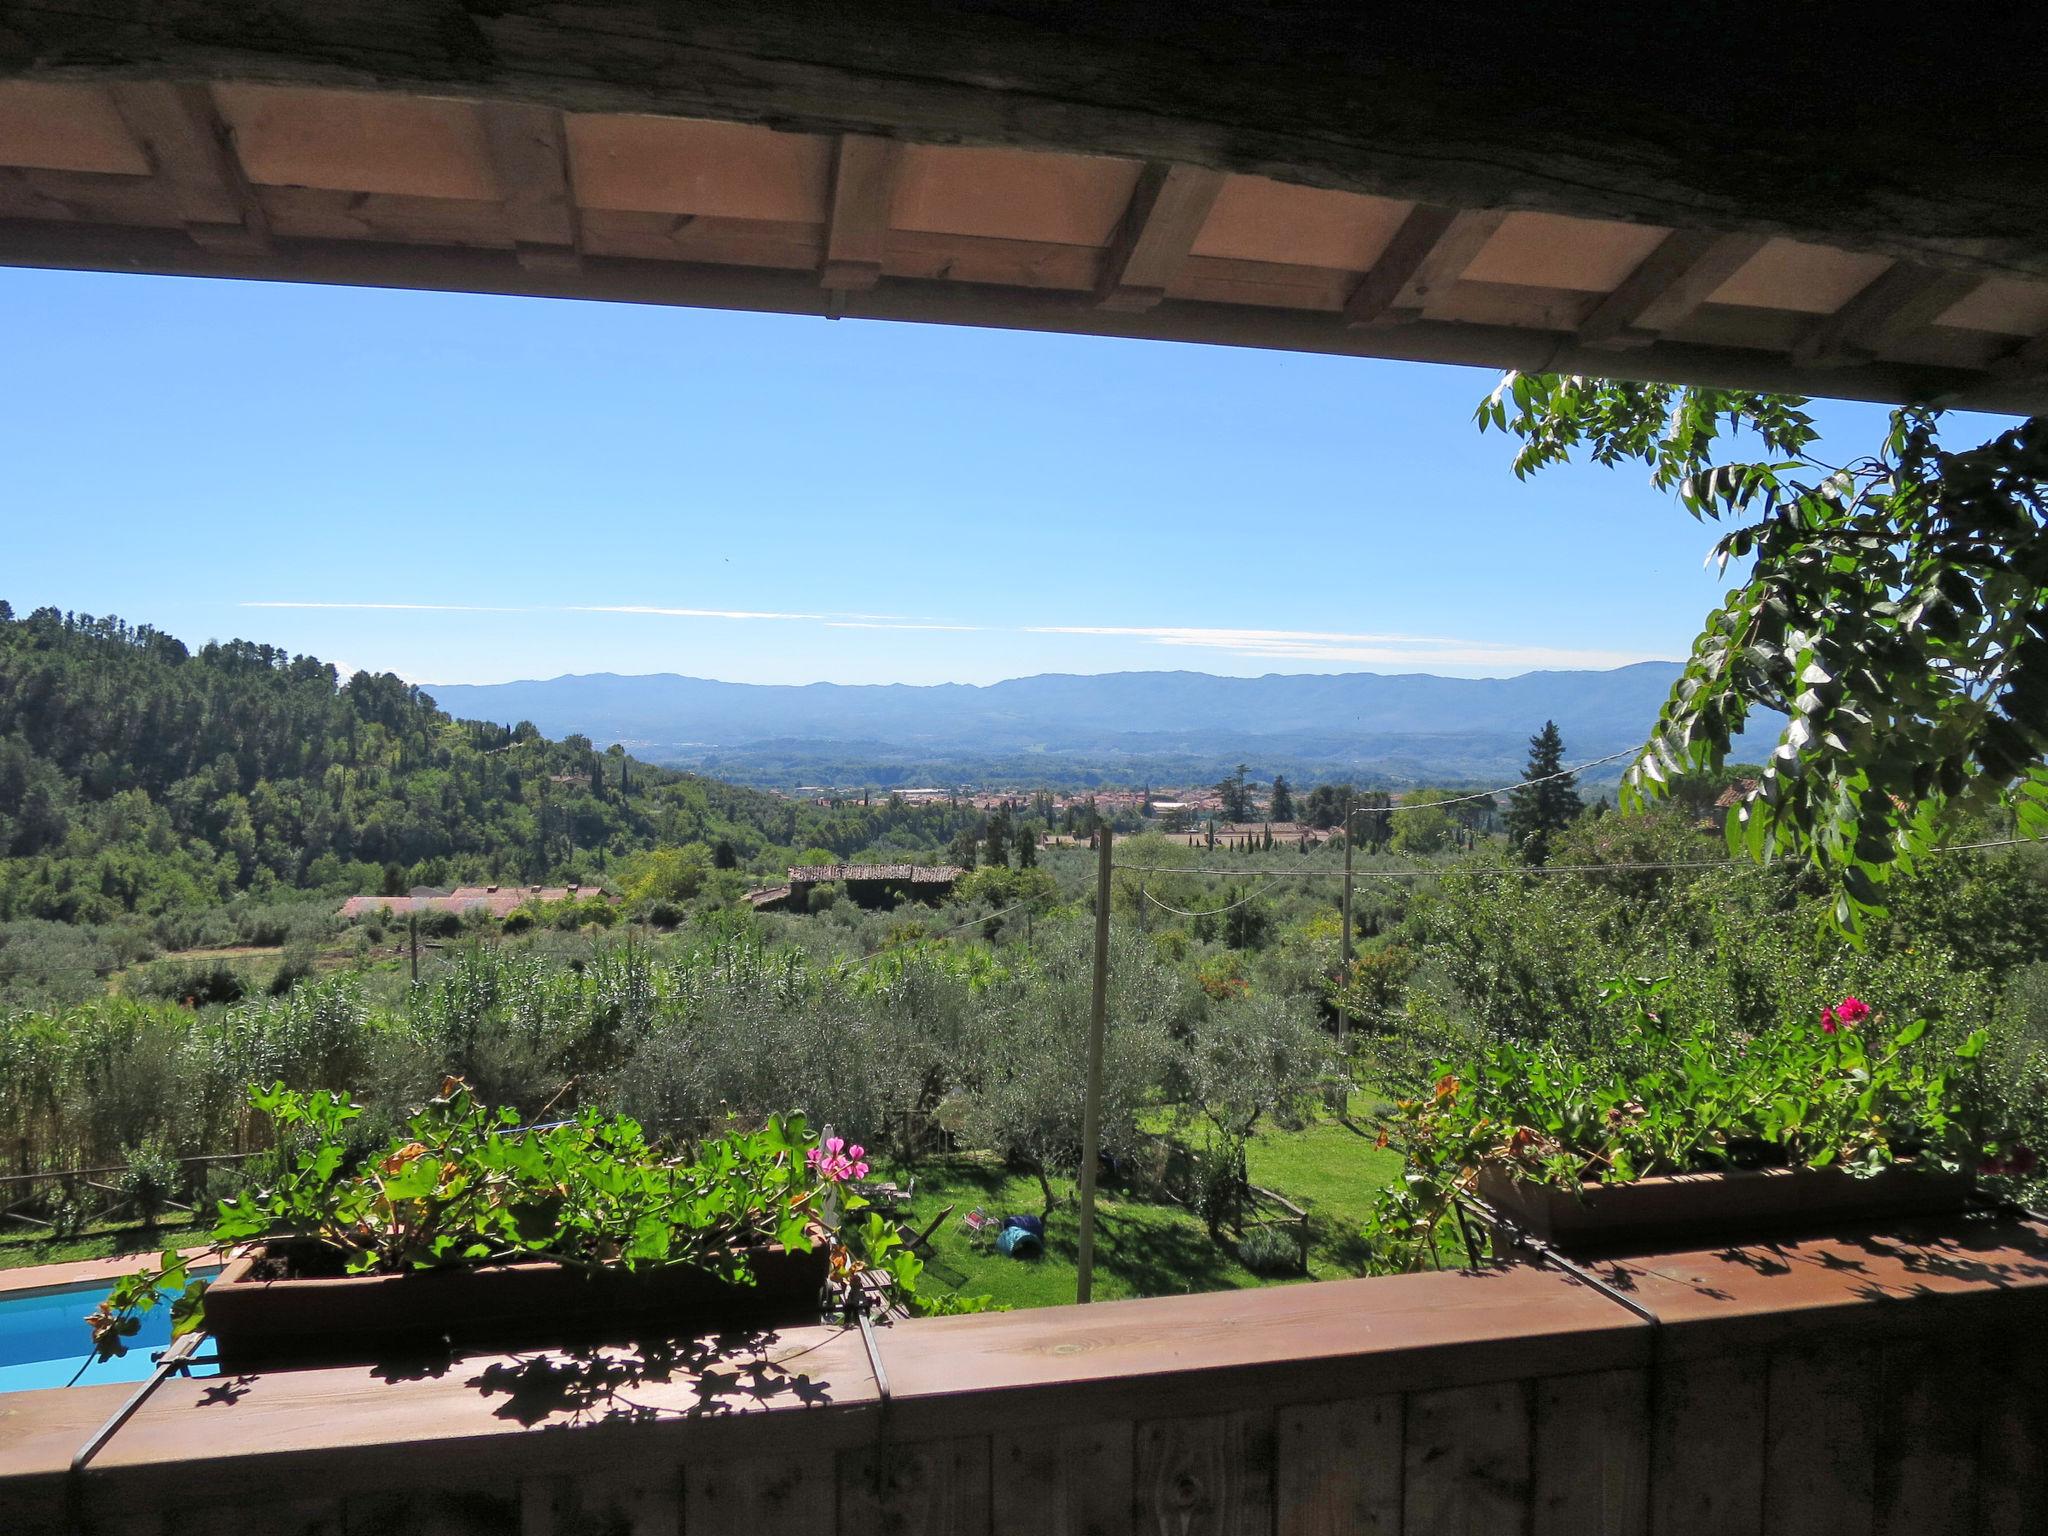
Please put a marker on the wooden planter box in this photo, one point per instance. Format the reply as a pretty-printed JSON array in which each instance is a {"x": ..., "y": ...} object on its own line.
[
  {"x": 1673, "y": 1210},
  {"x": 259, "y": 1317}
]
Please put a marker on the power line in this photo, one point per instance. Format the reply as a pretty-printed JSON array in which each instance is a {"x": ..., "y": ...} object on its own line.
[
  {"x": 1505, "y": 789},
  {"x": 1530, "y": 869},
  {"x": 1214, "y": 911}
]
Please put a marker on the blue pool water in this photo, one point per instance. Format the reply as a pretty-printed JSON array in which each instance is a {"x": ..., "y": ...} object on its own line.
[{"x": 43, "y": 1340}]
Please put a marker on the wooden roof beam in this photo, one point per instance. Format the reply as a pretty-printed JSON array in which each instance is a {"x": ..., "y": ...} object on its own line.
[
  {"x": 530, "y": 155},
  {"x": 1428, "y": 253},
  {"x": 192, "y": 154},
  {"x": 857, "y": 228},
  {"x": 1667, "y": 287},
  {"x": 1166, "y": 212},
  {"x": 2022, "y": 370},
  {"x": 1900, "y": 300}
]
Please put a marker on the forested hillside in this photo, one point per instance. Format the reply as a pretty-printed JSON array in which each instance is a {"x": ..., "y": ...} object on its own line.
[{"x": 137, "y": 776}]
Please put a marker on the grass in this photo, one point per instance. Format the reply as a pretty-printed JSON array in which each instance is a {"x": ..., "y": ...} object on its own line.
[
  {"x": 22, "y": 1247},
  {"x": 1331, "y": 1171},
  {"x": 1143, "y": 1247}
]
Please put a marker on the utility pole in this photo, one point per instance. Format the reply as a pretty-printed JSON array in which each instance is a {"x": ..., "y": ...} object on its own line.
[
  {"x": 412, "y": 924},
  {"x": 1344, "y": 941},
  {"x": 1091, "y": 1104}
]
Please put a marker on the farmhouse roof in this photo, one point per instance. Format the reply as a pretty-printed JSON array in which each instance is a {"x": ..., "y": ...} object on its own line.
[{"x": 904, "y": 874}]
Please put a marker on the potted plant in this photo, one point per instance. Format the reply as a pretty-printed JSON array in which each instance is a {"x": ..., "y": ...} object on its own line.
[
  {"x": 1691, "y": 1135},
  {"x": 468, "y": 1232}
]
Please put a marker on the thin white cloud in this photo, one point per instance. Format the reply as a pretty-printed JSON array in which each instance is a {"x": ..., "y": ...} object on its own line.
[
  {"x": 686, "y": 613},
  {"x": 1372, "y": 649},
  {"x": 963, "y": 629},
  {"x": 1410, "y": 652}
]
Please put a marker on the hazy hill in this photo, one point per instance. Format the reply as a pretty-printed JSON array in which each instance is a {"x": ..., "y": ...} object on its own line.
[{"x": 1158, "y": 724}]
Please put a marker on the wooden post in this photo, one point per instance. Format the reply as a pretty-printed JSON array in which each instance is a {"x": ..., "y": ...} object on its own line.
[
  {"x": 1344, "y": 940},
  {"x": 1091, "y": 1104},
  {"x": 412, "y": 923}
]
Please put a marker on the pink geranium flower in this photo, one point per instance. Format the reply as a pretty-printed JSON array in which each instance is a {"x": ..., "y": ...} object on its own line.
[
  {"x": 1828, "y": 1022},
  {"x": 1852, "y": 1010},
  {"x": 837, "y": 1163}
]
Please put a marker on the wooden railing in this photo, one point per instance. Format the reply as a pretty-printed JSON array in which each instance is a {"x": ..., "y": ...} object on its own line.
[{"x": 1869, "y": 1382}]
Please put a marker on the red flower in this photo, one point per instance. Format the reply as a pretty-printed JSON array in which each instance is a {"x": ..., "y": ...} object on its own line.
[
  {"x": 1852, "y": 1010},
  {"x": 1827, "y": 1021}
]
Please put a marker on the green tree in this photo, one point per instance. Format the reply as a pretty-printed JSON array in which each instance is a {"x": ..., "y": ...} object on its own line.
[
  {"x": 1235, "y": 792},
  {"x": 1424, "y": 827},
  {"x": 1282, "y": 806},
  {"x": 1325, "y": 805},
  {"x": 1537, "y": 812},
  {"x": 998, "y": 836},
  {"x": 1895, "y": 610}
]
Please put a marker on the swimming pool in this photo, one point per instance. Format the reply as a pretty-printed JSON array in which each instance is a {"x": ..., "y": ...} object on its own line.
[{"x": 43, "y": 1340}]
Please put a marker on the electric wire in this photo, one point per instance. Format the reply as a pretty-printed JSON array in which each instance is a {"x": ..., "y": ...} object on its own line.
[
  {"x": 1530, "y": 869},
  {"x": 1214, "y": 911}
]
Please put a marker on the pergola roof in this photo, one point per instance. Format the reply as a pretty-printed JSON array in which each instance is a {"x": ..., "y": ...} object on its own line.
[{"x": 1237, "y": 178}]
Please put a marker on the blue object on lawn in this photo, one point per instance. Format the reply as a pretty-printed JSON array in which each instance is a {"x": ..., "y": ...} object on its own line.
[
  {"x": 1019, "y": 1243},
  {"x": 1032, "y": 1224}
]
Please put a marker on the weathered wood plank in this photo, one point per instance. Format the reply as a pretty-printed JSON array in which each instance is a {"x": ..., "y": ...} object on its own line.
[
  {"x": 1168, "y": 207},
  {"x": 1209, "y": 1476},
  {"x": 1338, "y": 1468},
  {"x": 1820, "y": 1459},
  {"x": 1466, "y": 1461},
  {"x": 1929, "y": 1432},
  {"x": 744, "y": 1496},
  {"x": 195, "y": 163},
  {"x": 1904, "y": 298},
  {"x": 1592, "y": 1459},
  {"x": 1707, "y": 1447},
  {"x": 926, "y": 1488},
  {"x": 2012, "y": 1469},
  {"x": 531, "y": 160},
  {"x": 863, "y": 187},
  {"x": 1662, "y": 293},
  {"x": 1428, "y": 254},
  {"x": 1073, "y": 1480}
]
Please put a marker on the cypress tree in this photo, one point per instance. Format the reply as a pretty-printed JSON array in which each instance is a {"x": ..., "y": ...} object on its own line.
[{"x": 1537, "y": 812}]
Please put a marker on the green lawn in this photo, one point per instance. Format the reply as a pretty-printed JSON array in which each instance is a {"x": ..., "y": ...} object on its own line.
[
  {"x": 24, "y": 1246},
  {"x": 1143, "y": 1248},
  {"x": 1333, "y": 1172}
]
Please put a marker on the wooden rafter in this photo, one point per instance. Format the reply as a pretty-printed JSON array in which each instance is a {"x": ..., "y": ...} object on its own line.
[
  {"x": 529, "y": 153},
  {"x": 1899, "y": 301},
  {"x": 1671, "y": 282},
  {"x": 1428, "y": 253},
  {"x": 1168, "y": 207},
  {"x": 1463, "y": 112},
  {"x": 192, "y": 154},
  {"x": 863, "y": 188}
]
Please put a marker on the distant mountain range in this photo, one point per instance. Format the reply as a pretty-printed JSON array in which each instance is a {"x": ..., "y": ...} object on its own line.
[{"x": 1119, "y": 727}]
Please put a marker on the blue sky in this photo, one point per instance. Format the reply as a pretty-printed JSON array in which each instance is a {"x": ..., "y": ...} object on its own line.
[{"x": 474, "y": 489}]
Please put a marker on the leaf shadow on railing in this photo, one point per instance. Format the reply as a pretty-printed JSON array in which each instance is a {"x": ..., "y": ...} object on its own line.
[{"x": 720, "y": 1375}]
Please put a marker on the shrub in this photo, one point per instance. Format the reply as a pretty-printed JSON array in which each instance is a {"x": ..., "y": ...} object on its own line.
[
  {"x": 150, "y": 1181},
  {"x": 1270, "y": 1249}
]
